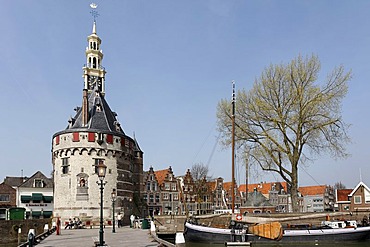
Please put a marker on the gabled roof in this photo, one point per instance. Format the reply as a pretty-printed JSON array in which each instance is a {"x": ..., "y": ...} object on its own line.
[
  {"x": 342, "y": 195},
  {"x": 14, "y": 181},
  {"x": 212, "y": 185},
  {"x": 29, "y": 183},
  {"x": 358, "y": 186},
  {"x": 227, "y": 186},
  {"x": 7, "y": 186},
  {"x": 312, "y": 190},
  {"x": 161, "y": 175},
  {"x": 257, "y": 199}
]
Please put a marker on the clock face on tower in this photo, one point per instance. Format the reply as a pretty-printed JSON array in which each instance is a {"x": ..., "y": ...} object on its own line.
[{"x": 94, "y": 81}]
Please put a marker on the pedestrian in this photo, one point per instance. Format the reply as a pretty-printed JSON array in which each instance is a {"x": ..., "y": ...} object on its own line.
[
  {"x": 69, "y": 224},
  {"x": 119, "y": 219},
  {"x": 132, "y": 218}
]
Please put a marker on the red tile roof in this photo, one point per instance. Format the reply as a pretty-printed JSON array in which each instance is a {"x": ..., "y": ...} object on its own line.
[
  {"x": 264, "y": 188},
  {"x": 342, "y": 195},
  {"x": 227, "y": 186},
  {"x": 211, "y": 185},
  {"x": 161, "y": 175},
  {"x": 312, "y": 190}
]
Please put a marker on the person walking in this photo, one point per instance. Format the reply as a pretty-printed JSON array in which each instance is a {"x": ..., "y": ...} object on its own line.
[{"x": 119, "y": 219}]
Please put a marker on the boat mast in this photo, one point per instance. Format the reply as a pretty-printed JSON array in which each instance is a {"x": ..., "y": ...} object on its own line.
[
  {"x": 246, "y": 175},
  {"x": 233, "y": 151}
]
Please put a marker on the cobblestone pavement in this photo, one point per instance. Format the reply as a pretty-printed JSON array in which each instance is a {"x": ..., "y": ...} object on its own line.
[{"x": 124, "y": 236}]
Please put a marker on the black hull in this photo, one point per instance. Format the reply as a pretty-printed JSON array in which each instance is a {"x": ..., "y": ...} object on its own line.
[{"x": 195, "y": 233}]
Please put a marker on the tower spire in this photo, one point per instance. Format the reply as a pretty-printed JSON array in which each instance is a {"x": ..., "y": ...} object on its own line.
[
  {"x": 94, "y": 72},
  {"x": 94, "y": 28}
]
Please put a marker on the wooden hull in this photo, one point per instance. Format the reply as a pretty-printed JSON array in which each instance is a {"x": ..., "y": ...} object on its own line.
[{"x": 196, "y": 233}]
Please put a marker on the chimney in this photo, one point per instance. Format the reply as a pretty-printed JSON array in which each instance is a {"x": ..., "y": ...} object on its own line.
[{"x": 85, "y": 108}]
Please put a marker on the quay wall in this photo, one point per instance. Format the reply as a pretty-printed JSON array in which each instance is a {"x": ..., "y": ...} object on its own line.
[{"x": 9, "y": 229}]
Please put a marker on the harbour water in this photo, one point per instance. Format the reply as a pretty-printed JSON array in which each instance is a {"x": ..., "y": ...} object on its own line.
[{"x": 360, "y": 244}]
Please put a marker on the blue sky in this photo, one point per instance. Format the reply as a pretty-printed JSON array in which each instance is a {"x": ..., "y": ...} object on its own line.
[{"x": 168, "y": 64}]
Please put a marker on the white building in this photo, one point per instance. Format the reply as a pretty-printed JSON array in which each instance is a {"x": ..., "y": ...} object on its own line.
[{"x": 36, "y": 196}]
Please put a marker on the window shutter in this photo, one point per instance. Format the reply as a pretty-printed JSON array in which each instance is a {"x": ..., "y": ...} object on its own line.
[
  {"x": 110, "y": 138},
  {"x": 76, "y": 136},
  {"x": 91, "y": 137}
]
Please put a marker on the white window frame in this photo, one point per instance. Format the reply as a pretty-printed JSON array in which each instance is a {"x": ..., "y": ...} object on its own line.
[{"x": 355, "y": 199}]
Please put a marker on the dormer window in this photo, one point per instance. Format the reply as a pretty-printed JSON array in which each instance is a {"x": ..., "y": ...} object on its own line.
[{"x": 38, "y": 183}]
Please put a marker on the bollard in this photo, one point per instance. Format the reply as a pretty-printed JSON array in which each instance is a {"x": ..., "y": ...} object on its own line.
[
  {"x": 19, "y": 235},
  {"x": 46, "y": 227},
  {"x": 31, "y": 237},
  {"x": 152, "y": 226}
]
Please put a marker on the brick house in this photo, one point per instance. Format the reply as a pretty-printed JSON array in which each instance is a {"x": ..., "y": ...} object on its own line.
[
  {"x": 217, "y": 189},
  {"x": 188, "y": 193},
  {"x": 264, "y": 188},
  {"x": 204, "y": 196},
  {"x": 360, "y": 198},
  {"x": 228, "y": 194},
  {"x": 151, "y": 193},
  {"x": 8, "y": 199},
  {"x": 342, "y": 201},
  {"x": 275, "y": 192},
  {"x": 170, "y": 191}
]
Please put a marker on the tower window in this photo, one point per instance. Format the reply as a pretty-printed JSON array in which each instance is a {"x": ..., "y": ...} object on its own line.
[
  {"x": 97, "y": 161},
  {"x": 94, "y": 62},
  {"x": 65, "y": 165}
]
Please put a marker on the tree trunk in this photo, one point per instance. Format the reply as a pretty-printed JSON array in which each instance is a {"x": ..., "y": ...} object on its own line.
[{"x": 294, "y": 189}]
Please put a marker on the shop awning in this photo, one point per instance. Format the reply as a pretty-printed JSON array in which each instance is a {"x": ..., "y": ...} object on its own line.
[
  {"x": 26, "y": 199},
  {"x": 47, "y": 214},
  {"x": 48, "y": 199},
  {"x": 36, "y": 197},
  {"x": 36, "y": 213}
]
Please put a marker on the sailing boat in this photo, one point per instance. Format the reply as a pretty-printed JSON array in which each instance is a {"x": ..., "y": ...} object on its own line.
[{"x": 269, "y": 231}]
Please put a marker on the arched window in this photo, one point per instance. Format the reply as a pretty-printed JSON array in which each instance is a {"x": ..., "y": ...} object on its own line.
[{"x": 94, "y": 63}]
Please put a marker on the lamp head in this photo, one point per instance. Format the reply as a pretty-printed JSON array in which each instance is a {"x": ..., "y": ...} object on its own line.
[
  {"x": 102, "y": 169},
  {"x": 114, "y": 195}
]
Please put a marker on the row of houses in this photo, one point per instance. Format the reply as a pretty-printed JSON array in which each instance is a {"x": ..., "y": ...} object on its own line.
[{"x": 165, "y": 193}]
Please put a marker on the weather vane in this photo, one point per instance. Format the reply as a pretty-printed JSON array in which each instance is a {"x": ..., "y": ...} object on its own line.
[{"x": 93, "y": 12}]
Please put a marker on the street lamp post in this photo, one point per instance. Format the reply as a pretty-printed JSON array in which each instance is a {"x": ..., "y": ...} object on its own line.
[
  {"x": 114, "y": 196},
  {"x": 101, "y": 174}
]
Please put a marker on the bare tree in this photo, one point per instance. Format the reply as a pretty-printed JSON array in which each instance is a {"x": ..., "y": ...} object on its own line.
[
  {"x": 286, "y": 117},
  {"x": 199, "y": 171},
  {"x": 339, "y": 186}
]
